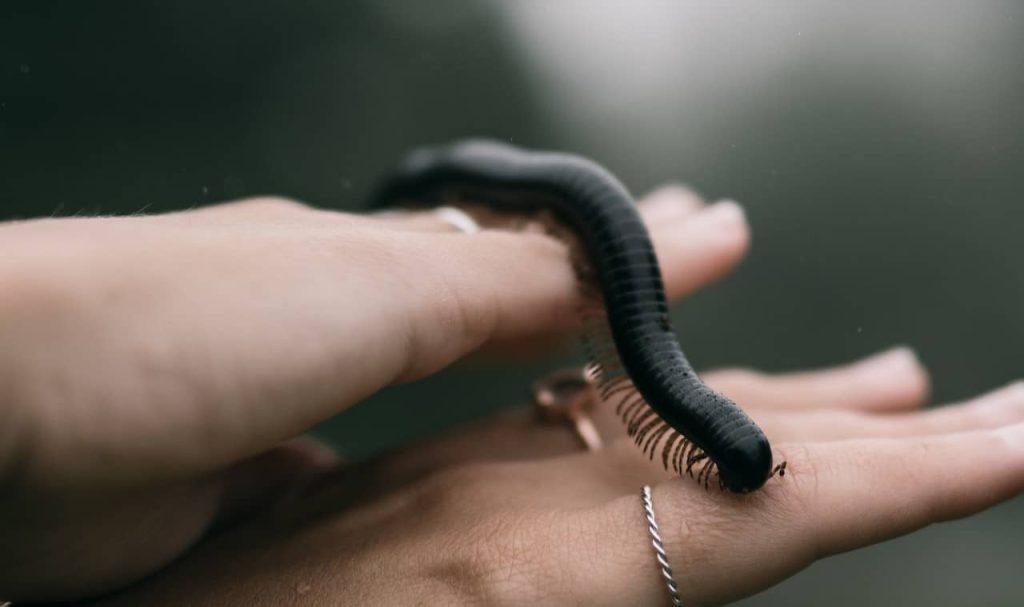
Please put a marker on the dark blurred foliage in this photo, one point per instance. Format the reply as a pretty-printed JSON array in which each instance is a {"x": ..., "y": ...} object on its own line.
[
  {"x": 125, "y": 107},
  {"x": 111, "y": 107},
  {"x": 876, "y": 219}
]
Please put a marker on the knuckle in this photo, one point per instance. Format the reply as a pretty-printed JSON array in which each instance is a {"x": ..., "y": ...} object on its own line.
[
  {"x": 495, "y": 561},
  {"x": 510, "y": 559},
  {"x": 696, "y": 527},
  {"x": 495, "y": 557},
  {"x": 472, "y": 312},
  {"x": 806, "y": 473},
  {"x": 702, "y": 530},
  {"x": 908, "y": 467}
]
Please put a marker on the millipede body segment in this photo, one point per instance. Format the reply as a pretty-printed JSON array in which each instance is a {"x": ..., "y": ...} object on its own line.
[{"x": 697, "y": 430}]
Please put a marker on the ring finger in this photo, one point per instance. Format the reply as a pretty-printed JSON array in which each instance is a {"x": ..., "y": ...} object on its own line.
[{"x": 842, "y": 495}]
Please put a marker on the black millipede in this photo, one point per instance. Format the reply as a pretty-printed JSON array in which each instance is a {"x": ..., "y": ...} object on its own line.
[{"x": 663, "y": 402}]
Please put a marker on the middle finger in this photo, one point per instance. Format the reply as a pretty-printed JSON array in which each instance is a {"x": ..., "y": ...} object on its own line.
[{"x": 520, "y": 435}]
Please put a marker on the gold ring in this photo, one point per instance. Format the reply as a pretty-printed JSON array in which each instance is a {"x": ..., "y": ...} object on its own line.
[
  {"x": 567, "y": 396},
  {"x": 458, "y": 219}
]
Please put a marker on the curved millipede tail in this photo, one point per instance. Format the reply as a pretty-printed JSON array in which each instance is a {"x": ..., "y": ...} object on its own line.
[{"x": 636, "y": 359}]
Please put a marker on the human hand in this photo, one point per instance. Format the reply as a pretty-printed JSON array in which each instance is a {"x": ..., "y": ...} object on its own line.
[
  {"x": 499, "y": 514},
  {"x": 152, "y": 366},
  {"x": 511, "y": 513}
]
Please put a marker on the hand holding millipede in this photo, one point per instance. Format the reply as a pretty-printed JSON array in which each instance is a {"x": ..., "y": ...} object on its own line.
[
  {"x": 151, "y": 367},
  {"x": 662, "y": 400}
]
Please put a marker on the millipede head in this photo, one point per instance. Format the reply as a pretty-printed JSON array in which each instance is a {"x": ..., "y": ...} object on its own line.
[{"x": 745, "y": 465}]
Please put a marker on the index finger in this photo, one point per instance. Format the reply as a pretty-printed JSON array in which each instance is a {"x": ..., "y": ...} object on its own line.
[
  {"x": 836, "y": 497},
  {"x": 230, "y": 336}
]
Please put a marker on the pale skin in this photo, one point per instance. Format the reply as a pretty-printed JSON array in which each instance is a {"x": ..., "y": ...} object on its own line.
[{"x": 155, "y": 371}]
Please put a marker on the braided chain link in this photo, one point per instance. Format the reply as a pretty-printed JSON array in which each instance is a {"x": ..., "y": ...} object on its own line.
[{"x": 659, "y": 547}]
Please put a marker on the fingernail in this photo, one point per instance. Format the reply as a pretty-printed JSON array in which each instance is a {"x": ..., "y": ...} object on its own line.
[
  {"x": 1013, "y": 435},
  {"x": 673, "y": 191},
  {"x": 663, "y": 204},
  {"x": 318, "y": 452},
  {"x": 727, "y": 211},
  {"x": 1000, "y": 407},
  {"x": 897, "y": 360},
  {"x": 669, "y": 201}
]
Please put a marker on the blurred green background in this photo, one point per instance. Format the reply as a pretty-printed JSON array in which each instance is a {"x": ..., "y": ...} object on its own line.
[{"x": 876, "y": 146}]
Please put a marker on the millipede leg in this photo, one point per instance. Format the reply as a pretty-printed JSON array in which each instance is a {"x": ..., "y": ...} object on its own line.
[
  {"x": 677, "y": 458},
  {"x": 705, "y": 472},
  {"x": 649, "y": 422},
  {"x": 692, "y": 459},
  {"x": 651, "y": 446},
  {"x": 616, "y": 386},
  {"x": 779, "y": 469},
  {"x": 668, "y": 447},
  {"x": 653, "y": 433},
  {"x": 639, "y": 422},
  {"x": 632, "y": 403}
]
